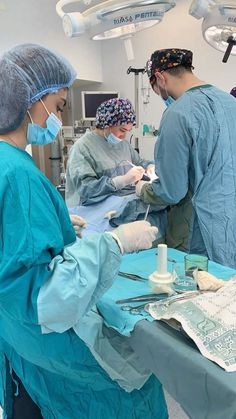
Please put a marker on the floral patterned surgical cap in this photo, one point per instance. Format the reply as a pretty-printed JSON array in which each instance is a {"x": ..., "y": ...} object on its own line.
[{"x": 115, "y": 112}]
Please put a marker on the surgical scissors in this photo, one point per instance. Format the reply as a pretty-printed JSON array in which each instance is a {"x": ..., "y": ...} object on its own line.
[
  {"x": 162, "y": 302},
  {"x": 184, "y": 296},
  {"x": 133, "y": 309}
]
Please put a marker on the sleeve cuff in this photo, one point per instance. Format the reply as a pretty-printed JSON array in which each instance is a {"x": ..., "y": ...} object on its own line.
[{"x": 119, "y": 182}]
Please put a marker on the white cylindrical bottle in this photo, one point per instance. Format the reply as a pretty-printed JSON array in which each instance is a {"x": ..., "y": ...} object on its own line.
[
  {"x": 161, "y": 280},
  {"x": 162, "y": 259}
]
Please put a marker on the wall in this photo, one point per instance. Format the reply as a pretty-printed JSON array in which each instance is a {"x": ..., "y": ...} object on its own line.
[
  {"x": 76, "y": 98},
  {"x": 37, "y": 21}
]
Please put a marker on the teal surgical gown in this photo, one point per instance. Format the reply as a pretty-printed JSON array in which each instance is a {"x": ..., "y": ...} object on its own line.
[
  {"x": 195, "y": 159},
  {"x": 38, "y": 306},
  {"x": 92, "y": 164}
]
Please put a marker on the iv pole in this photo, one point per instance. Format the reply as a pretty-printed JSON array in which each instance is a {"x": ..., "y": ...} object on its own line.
[{"x": 136, "y": 72}]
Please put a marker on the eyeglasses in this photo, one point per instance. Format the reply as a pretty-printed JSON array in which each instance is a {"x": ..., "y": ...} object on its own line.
[
  {"x": 154, "y": 84},
  {"x": 152, "y": 77},
  {"x": 152, "y": 80}
]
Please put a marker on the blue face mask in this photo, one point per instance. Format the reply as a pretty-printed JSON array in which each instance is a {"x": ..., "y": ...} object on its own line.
[
  {"x": 42, "y": 136},
  {"x": 168, "y": 101},
  {"x": 112, "y": 139}
]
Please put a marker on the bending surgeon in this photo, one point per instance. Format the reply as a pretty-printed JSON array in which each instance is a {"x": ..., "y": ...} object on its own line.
[
  {"x": 49, "y": 280},
  {"x": 195, "y": 158},
  {"x": 101, "y": 162}
]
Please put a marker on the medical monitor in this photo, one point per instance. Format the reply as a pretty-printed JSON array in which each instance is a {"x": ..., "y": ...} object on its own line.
[{"x": 92, "y": 100}]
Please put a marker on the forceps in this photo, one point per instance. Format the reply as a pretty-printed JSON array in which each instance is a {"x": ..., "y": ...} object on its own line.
[
  {"x": 142, "y": 298},
  {"x": 132, "y": 276},
  {"x": 169, "y": 259},
  {"x": 185, "y": 296}
]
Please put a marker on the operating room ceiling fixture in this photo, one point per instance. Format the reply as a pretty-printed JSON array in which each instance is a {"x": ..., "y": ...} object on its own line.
[
  {"x": 112, "y": 18},
  {"x": 219, "y": 24}
]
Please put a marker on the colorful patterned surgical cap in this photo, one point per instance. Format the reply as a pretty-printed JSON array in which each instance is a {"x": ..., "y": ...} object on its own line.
[
  {"x": 233, "y": 91},
  {"x": 165, "y": 59},
  {"x": 115, "y": 112}
]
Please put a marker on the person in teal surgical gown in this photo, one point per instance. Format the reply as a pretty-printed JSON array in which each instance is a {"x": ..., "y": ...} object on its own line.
[
  {"x": 195, "y": 158},
  {"x": 49, "y": 279}
]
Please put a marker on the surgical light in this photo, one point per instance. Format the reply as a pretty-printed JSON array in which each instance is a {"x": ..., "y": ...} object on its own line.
[
  {"x": 219, "y": 24},
  {"x": 112, "y": 18}
]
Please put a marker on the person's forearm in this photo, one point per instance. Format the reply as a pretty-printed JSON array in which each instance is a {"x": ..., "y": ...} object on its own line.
[
  {"x": 95, "y": 190},
  {"x": 78, "y": 278}
]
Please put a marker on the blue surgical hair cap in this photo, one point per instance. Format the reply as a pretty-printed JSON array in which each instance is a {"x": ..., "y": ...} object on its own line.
[{"x": 28, "y": 72}]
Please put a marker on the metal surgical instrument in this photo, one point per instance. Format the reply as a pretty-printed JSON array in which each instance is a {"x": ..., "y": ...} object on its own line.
[
  {"x": 154, "y": 299},
  {"x": 133, "y": 309},
  {"x": 185, "y": 296},
  {"x": 169, "y": 259},
  {"x": 132, "y": 276},
  {"x": 146, "y": 213},
  {"x": 145, "y": 297},
  {"x": 145, "y": 176}
]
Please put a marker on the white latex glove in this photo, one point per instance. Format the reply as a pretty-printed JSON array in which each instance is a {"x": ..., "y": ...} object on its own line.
[
  {"x": 110, "y": 214},
  {"x": 78, "y": 223},
  {"x": 135, "y": 236},
  {"x": 133, "y": 175},
  {"x": 151, "y": 171},
  {"x": 139, "y": 186}
]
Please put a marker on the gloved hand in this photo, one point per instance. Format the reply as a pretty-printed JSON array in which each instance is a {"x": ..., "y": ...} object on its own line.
[
  {"x": 150, "y": 170},
  {"x": 139, "y": 186},
  {"x": 78, "y": 223},
  {"x": 135, "y": 236},
  {"x": 133, "y": 175}
]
